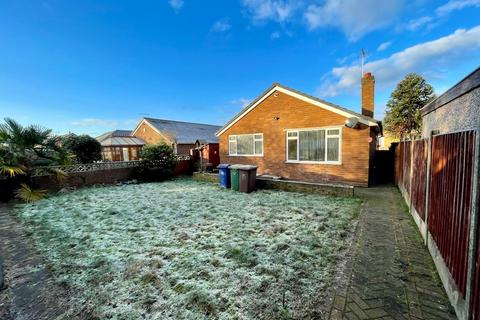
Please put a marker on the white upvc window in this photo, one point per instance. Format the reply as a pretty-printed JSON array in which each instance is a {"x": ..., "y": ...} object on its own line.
[
  {"x": 314, "y": 145},
  {"x": 246, "y": 145}
]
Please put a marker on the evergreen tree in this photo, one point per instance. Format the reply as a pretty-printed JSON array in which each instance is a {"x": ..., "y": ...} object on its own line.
[
  {"x": 85, "y": 148},
  {"x": 403, "y": 118}
]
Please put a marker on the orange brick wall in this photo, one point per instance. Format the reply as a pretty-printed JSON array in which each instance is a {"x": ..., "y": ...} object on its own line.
[
  {"x": 368, "y": 94},
  {"x": 150, "y": 136},
  {"x": 293, "y": 113}
]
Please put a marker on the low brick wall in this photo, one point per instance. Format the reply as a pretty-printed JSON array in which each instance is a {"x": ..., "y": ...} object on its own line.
[
  {"x": 289, "y": 185},
  {"x": 306, "y": 187},
  {"x": 206, "y": 177},
  {"x": 82, "y": 179}
]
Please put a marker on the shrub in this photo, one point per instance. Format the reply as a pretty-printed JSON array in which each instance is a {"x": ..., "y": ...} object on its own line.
[
  {"x": 161, "y": 151},
  {"x": 158, "y": 162},
  {"x": 85, "y": 148}
]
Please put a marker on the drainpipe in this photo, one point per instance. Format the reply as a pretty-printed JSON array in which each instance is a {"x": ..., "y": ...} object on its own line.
[{"x": 474, "y": 232}]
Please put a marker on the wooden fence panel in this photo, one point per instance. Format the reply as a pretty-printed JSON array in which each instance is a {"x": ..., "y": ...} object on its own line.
[
  {"x": 407, "y": 157},
  {"x": 419, "y": 177},
  {"x": 399, "y": 164},
  {"x": 450, "y": 200}
]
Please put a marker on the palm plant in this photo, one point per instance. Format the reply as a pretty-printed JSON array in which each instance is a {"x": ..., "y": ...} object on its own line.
[
  {"x": 22, "y": 148},
  {"x": 28, "y": 194}
]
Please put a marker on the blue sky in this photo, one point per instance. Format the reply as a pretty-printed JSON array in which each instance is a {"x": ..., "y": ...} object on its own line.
[{"x": 93, "y": 66}]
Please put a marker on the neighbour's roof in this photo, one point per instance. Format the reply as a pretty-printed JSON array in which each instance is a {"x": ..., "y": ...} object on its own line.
[
  {"x": 467, "y": 84},
  {"x": 184, "y": 132},
  {"x": 119, "y": 138},
  {"x": 301, "y": 95}
]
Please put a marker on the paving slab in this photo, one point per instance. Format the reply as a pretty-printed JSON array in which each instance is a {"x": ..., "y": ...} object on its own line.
[
  {"x": 393, "y": 275},
  {"x": 29, "y": 290}
]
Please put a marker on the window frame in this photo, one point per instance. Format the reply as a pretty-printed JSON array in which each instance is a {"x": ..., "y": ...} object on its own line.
[
  {"x": 297, "y": 131},
  {"x": 236, "y": 145}
]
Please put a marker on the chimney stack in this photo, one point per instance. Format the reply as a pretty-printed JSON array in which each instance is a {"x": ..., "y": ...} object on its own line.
[{"x": 368, "y": 94}]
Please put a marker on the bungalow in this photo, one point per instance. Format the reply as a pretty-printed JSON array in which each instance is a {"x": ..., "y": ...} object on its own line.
[
  {"x": 120, "y": 145},
  {"x": 180, "y": 135},
  {"x": 293, "y": 135}
]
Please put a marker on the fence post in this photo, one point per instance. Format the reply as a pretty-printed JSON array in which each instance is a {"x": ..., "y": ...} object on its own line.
[
  {"x": 473, "y": 232},
  {"x": 427, "y": 187}
]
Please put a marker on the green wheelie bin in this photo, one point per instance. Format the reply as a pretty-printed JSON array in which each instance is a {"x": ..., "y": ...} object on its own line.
[{"x": 234, "y": 181}]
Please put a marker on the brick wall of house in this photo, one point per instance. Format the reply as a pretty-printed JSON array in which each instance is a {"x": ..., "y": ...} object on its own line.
[
  {"x": 276, "y": 114},
  {"x": 150, "y": 136}
]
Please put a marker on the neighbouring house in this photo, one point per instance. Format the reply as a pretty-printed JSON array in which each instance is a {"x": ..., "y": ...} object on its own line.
[
  {"x": 180, "y": 135},
  {"x": 293, "y": 135},
  {"x": 120, "y": 145},
  {"x": 457, "y": 109}
]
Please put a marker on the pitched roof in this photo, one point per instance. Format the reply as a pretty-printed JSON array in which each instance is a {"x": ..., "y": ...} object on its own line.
[
  {"x": 303, "y": 96},
  {"x": 119, "y": 138},
  {"x": 184, "y": 132}
]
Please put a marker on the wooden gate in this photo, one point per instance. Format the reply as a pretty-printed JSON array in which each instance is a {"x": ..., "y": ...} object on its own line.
[{"x": 383, "y": 164}]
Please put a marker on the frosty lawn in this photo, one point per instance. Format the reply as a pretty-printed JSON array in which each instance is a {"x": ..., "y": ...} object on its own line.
[{"x": 190, "y": 250}]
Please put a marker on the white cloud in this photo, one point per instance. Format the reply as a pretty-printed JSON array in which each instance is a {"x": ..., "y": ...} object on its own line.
[
  {"x": 430, "y": 22},
  {"x": 176, "y": 4},
  {"x": 96, "y": 122},
  {"x": 275, "y": 35},
  {"x": 453, "y": 5},
  {"x": 241, "y": 101},
  {"x": 354, "y": 18},
  {"x": 414, "y": 24},
  {"x": 222, "y": 25},
  {"x": 274, "y": 10},
  {"x": 384, "y": 46},
  {"x": 425, "y": 57}
]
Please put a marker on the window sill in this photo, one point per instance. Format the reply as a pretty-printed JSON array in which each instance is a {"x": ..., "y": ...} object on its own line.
[
  {"x": 335, "y": 163},
  {"x": 246, "y": 155}
]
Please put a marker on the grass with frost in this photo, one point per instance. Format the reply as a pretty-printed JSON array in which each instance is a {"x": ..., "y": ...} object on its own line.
[{"x": 190, "y": 250}]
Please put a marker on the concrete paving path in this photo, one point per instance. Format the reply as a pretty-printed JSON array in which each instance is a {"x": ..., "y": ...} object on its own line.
[
  {"x": 393, "y": 275},
  {"x": 29, "y": 291}
]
